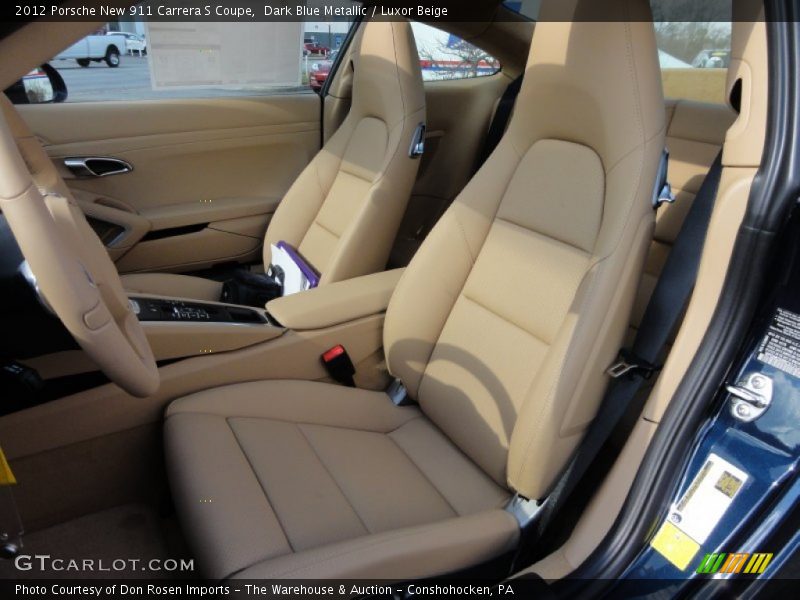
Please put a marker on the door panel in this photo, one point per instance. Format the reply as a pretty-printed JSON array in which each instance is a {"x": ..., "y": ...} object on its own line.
[{"x": 207, "y": 173}]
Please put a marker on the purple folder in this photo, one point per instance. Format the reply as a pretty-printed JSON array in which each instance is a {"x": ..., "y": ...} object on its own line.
[{"x": 307, "y": 270}]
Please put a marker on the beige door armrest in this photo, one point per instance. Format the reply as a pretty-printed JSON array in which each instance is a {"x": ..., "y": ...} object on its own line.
[
  {"x": 336, "y": 303},
  {"x": 208, "y": 211}
]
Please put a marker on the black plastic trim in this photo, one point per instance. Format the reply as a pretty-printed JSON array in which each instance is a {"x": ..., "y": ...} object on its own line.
[{"x": 160, "y": 234}]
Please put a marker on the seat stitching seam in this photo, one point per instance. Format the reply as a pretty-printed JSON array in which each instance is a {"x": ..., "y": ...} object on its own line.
[
  {"x": 260, "y": 484},
  {"x": 548, "y": 396},
  {"x": 631, "y": 63},
  {"x": 637, "y": 104},
  {"x": 632, "y": 196},
  {"x": 639, "y": 147},
  {"x": 506, "y": 319},
  {"x": 391, "y": 154},
  {"x": 279, "y": 420},
  {"x": 330, "y": 474},
  {"x": 473, "y": 259},
  {"x": 324, "y": 192},
  {"x": 344, "y": 169},
  {"x": 544, "y": 235},
  {"x": 472, "y": 256},
  {"x": 327, "y": 194},
  {"x": 397, "y": 76},
  {"x": 319, "y": 224},
  {"x": 424, "y": 476}
]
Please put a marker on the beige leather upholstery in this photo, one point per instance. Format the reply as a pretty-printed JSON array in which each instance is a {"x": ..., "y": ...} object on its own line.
[
  {"x": 507, "y": 347},
  {"x": 695, "y": 133},
  {"x": 343, "y": 211},
  {"x": 501, "y": 328},
  {"x": 176, "y": 286},
  {"x": 335, "y": 463},
  {"x": 340, "y": 302}
]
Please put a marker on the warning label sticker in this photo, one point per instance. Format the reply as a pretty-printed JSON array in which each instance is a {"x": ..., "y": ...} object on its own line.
[
  {"x": 694, "y": 517},
  {"x": 780, "y": 347}
]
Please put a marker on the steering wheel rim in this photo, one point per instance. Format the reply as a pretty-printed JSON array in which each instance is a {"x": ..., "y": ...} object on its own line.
[{"x": 74, "y": 274}]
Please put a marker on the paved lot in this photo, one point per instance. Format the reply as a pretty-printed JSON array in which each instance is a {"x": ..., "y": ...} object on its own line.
[{"x": 130, "y": 81}]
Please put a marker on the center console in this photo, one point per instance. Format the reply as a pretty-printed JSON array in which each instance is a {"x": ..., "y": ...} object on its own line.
[
  {"x": 179, "y": 329},
  {"x": 166, "y": 309}
]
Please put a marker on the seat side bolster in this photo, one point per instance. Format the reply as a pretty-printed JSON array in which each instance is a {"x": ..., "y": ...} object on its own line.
[{"x": 569, "y": 387}]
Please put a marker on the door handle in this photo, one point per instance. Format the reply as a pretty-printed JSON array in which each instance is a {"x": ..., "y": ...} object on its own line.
[{"x": 96, "y": 166}]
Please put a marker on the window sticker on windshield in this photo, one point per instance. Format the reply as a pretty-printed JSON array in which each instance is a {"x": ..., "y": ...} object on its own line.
[
  {"x": 780, "y": 347},
  {"x": 694, "y": 516}
]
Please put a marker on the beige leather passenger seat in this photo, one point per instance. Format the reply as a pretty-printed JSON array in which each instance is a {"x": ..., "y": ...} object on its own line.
[
  {"x": 343, "y": 211},
  {"x": 501, "y": 329},
  {"x": 695, "y": 134}
]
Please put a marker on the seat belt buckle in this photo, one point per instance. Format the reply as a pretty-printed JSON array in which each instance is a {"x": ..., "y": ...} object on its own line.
[
  {"x": 665, "y": 195},
  {"x": 627, "y": 362},
  {"x": 339, "y": 366},
  {"x": 398, "y": 394},
  {"x": 417, "y": 147},
  {"x": 662, "y": 190}
]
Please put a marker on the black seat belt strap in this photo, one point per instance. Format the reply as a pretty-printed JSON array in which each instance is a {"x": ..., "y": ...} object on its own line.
[
  {"x": 500, "y": 120},
  {"x": 635, "y": 366}
]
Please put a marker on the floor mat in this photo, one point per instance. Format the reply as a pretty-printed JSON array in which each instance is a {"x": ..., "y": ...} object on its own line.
[{"x": 130, "y": 541}]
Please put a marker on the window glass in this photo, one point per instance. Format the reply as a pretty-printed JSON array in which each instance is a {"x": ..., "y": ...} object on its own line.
[
  {"x": 694, "y": 47},
  {"x": 526, "y": 8},
  {"x": 443, "y": 56},
  {"x": 694, "y": 59},
  {"x": 685, "y": 45},
  {"x": 136, "y": 59}
]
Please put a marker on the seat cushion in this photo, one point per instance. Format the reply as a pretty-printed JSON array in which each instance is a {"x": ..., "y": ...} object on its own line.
[
  {"x": 170, "y": 284},
  {"x": 278, "y": 477}
]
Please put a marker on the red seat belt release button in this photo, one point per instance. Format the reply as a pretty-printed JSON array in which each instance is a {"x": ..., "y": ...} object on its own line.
[{"x": 339, "y": 366}]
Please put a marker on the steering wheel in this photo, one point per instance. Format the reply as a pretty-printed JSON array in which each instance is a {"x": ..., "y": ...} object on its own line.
[{"x": 71, "y": 268}]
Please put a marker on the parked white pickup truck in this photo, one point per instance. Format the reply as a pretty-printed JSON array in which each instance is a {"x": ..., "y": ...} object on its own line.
[{"x": 95, "y": 48}]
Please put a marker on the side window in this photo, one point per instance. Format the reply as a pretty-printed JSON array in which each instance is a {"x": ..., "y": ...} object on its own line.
[
  {"x": 140, "y": 59},
  {"x": 694, "y": 59},
  {"x": 694, "y": 48},
  {"x": 528, "y": 9},
  {"x": 443, "y": 56}
]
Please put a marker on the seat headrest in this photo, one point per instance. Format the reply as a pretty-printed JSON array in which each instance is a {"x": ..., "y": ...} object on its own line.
[
  {"x": 592, "y": 78},
  {"x": 387, "y": 83}
]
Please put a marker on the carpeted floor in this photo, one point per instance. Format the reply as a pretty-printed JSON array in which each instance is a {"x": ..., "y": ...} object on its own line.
[{"x": 126, "y": 532}]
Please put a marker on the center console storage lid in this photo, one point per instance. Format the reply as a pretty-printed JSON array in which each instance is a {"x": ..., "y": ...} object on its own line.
[{"x": 336, "y": 303}]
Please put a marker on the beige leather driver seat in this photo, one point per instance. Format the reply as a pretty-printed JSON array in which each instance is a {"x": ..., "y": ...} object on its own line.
[
  {"x": 343, "y": 211},
  {"x": 501, "y": 329}
]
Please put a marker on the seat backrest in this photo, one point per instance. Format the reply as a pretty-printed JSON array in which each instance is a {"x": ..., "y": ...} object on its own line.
[
  {"x": 506, "y": 319},
  {"x": 343, "y": 211}
]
